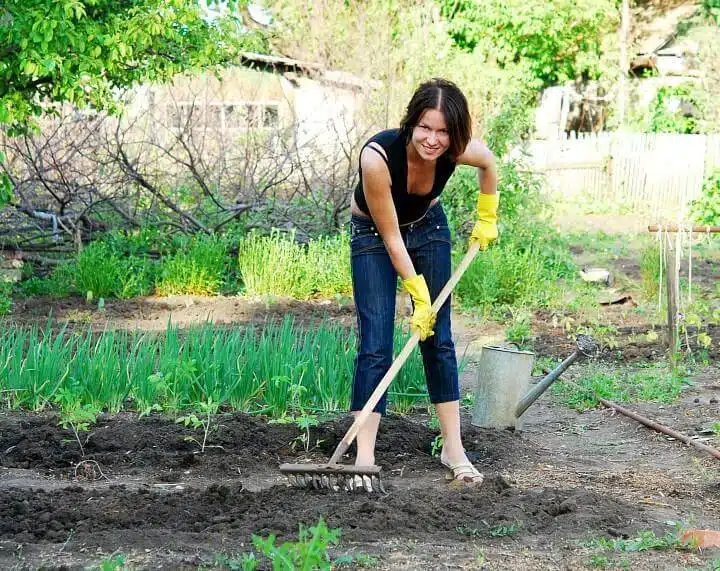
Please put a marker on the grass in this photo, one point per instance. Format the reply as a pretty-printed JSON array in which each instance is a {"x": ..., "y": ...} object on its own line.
[
  {"x": 656, "y": 383},
  {"x": 277, "y": 265},
  {"x": 250, "y": 370}
]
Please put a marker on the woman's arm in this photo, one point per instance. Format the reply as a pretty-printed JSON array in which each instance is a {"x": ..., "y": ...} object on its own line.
[
  {"x": 476, "y": 154},
  {"x": 485, "y": 231},
  {"x": 376, "y": 185}
]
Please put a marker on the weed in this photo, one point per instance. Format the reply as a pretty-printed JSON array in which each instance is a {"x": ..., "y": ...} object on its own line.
[
  {"x": 75, "y": 417},
  {"x": 114, "y": 563},
  {"x": 650, "y": 264},
  {"x": 655, "y": 384},
  {"x": 245, "y": 562},
  {"x": 519, "y": 331},
  {"x": 360, "y": 560},
  {"x": 468, "y": 531},
  {"x": 644, "y": 541},
  {"x": 309, "y": 552},
  {"x": 598, "y": 561},
  {"x": 437, "y": 445},
  {"x": 505, "y": 530}
]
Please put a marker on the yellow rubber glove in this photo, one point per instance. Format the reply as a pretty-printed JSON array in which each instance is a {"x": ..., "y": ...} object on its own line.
[
  {"x": 485, "y": 231},
  {"x": 423, "y": 317}
]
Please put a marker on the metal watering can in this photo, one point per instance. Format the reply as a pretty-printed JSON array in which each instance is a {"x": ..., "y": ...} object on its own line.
[{"x": 502, "y": 394}]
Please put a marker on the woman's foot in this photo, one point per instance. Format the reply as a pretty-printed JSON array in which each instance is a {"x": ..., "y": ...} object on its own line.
[{"x": 462, "y": 470}]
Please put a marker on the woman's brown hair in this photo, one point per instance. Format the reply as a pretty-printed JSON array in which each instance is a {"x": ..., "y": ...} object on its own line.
[{"x": 447, "y": 98}]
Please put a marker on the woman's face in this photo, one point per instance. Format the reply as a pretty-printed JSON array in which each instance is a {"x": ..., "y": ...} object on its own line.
[{"x": 430, "y": 136}]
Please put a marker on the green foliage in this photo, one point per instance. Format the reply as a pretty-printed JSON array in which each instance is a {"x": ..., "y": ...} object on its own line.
[
  {"x": 666, "y": 114},
  {"x": 6, "y": 302},
  {"x": 654, "y": 384},
  {"x": 644, "y": 541},
  {"x": 519, "y": 331},
  {"x": 60, "y": 282},
  {"x": 281, "y": 370},
  {"x": 104, "y": 272},
  {"x": 278, "y": 265},
  {"x": 197, "y": 270},
  {"x": 83, "y": 51},
  {"x": 559, "y": 40},
  {"x": 504, "y": 530},
  {"x": 706, "y": 209},
  {"x": 529, "y": 257},
  {"x": 712, "y": 9},
  {"x": 310, "y": 552},
  {"x": 650, "y": 264}
]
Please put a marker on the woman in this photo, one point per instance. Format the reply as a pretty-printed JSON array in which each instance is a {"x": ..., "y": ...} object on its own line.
[{"x": 398, "y": 227}]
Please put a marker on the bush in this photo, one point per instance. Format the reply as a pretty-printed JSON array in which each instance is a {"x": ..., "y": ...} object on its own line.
[
  {"x": 706, "y": 209},
  {"x": 278, "y": 265},
  {"x": 198, "y": 270},
  {"x": 96, "y": 270},
  {"x": 529, "y": 256}
]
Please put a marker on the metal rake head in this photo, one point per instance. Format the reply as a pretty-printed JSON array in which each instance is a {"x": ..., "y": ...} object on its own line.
[
  {"x": 587, "y": 345},
  {"x": 338, "y": 481}
]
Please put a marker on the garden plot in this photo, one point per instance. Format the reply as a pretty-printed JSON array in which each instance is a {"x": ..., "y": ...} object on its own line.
[{"x": 572, "y": 490}]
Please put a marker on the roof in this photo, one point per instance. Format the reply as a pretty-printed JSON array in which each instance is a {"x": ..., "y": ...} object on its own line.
[{"x": 313, "y": 70}]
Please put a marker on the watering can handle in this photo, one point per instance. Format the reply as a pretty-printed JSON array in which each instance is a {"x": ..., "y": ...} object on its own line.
[{"x": 401, "y": 358}]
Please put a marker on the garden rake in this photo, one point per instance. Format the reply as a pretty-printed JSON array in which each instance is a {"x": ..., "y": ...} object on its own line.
[{"x": 337, "y": 476}]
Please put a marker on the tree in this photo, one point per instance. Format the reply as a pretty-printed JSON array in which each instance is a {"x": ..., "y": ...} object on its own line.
[
  {"x": 83, "y": 52},
  {"x": 559, "y": 40}
]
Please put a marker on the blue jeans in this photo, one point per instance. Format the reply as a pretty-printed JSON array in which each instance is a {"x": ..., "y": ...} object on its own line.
[{"x": 374, "y": 288}]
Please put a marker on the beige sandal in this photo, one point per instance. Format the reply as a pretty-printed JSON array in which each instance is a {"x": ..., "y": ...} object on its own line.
[{"x": 464, "y": 473}]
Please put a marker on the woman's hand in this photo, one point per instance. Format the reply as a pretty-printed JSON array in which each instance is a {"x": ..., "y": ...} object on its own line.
[
  {"x": 423, "y": 317},
  {"x": 485, "y": 231}
]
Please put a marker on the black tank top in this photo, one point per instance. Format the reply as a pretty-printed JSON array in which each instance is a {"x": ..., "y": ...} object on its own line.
[{"x": 409, "y": 207}]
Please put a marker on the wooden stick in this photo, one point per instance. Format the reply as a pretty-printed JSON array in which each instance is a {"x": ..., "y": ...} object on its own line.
[
  {"x": 673, "y": 297},
  {"x": 676, "y": 228},
  {"x": 660, "y": 428}
]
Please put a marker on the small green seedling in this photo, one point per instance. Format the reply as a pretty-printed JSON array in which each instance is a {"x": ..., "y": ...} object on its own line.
[{"x": 208, "y": 409}]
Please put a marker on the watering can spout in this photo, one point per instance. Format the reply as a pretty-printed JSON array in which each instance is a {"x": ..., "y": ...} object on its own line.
[{"x": 503, "y": 377}]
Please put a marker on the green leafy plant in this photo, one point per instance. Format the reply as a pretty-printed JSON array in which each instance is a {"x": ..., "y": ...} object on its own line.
[
  {"x": 437, "y": 445},
  {"x": 519, "y": 331},
  {"x": 706, "y": 208},
  {"x": 666, "y": 111},
  {"x": 644, "y": 541},
  {"x": 208, "y": 409},
  {"x": 244, "y": 562},
  {"x": 198, "y": 269},
  {"x": 654, "y": 384},
  {"x": 278, "y": 265},
  {"x": 308, "y": 553},
  {"x": 6, "y": 302},
  {"x": 504, "y": 530},
  {"x": 75, "y": 417}
]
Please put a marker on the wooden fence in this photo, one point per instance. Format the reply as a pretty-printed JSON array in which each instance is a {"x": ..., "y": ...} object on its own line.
[{"x": 653, "y": 174}]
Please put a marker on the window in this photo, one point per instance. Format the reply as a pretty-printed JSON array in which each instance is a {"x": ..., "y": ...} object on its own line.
[{"x": 225, "y": 116}]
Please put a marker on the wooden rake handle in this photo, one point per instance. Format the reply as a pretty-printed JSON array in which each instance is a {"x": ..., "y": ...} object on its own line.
[{"x": 400, "y": 361}]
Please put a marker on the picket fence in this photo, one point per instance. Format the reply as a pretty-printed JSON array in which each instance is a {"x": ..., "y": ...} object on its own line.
[{"x": 653, "y": 174}]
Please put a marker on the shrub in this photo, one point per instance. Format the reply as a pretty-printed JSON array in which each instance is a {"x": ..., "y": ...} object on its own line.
[
  {"x": 706, "y": 209},
  {"x": 278, "y": 265},
  {"x": 197, "y": 270}
]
